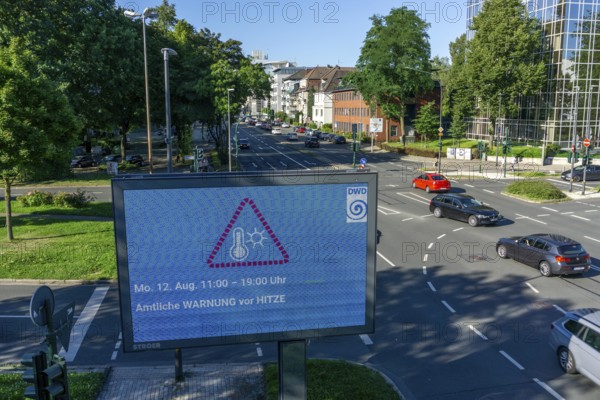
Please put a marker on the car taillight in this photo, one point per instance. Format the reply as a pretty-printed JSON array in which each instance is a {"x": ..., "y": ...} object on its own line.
[{"x": 569, "y": 259}]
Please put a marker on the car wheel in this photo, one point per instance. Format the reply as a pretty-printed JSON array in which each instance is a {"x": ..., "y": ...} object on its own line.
[
  {"x": 437, "y": 212},
  {"x": 545, "y": 269},
  {"x": 576, "y": 178},
  {"x": 473, "y": 221},
  {"x": 566, "y": 360},
  {"x": 502, "y": 251},
  {"x": 427, "y": 189}
]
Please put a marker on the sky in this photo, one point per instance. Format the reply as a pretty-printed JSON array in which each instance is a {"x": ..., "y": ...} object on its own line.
[{"x": 311, "y": 32}]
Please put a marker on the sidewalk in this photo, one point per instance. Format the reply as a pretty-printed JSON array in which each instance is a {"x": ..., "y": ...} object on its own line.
[{"x": 205, "y": 382}]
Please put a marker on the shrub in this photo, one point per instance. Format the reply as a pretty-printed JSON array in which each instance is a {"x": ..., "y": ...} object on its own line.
[
  {"x": 79, "y": 199},
  {"x": 536, "y": 190},
  {"x": 36, "y": 198}
]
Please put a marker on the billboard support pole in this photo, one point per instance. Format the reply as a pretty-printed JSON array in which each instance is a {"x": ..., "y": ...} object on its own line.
[
  {"x": 179, "y": 365},
  {"x": 291, "y": 362}
]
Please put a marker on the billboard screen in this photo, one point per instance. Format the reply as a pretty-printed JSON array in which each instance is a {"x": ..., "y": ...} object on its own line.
[{"x": 238, "y": 258}]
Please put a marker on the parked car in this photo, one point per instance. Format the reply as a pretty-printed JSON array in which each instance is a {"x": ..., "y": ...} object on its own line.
[
  {"x": 135, "y": 159},
  {"x": 431, "y": 182},
  {"x": 592, "y": 173},
  {"x": 339, "y": 139},
  {"x": 285, "y": 125},
  {"x": 292, "y": 136},
  {"x": 312, "y": 142},
  {"x": 243, "y": 143},
  {"x": 551, "y": 254},
  {"x": 301, "y": 129},
  {"x": 83, "y": 162},
  {"x": 276, "y": 131},
  {"x": 463, "y": 207},
  {"x": 575, "y": 339},
  {"x": 111, "y": 158}
]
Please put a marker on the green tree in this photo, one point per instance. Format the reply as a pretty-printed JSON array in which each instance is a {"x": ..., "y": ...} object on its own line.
[
  {"x": 427, "y": 120},
  {"x": 37, "y": 124},
  {"x": 458, "y": 94},
  {"x": 501, "y": 58},
  {"x": 394, "y": 62}
]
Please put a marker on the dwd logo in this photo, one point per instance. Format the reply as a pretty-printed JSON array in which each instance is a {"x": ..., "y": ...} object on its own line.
[{"x": 356, "y": 204}]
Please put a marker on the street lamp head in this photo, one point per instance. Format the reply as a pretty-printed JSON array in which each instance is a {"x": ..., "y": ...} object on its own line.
[
  {"x": 166, "y": 51},
  {"x": 150, "y": 13},
  {"x": 230, "y": 90},
  {"x": 131, "y": 14}
]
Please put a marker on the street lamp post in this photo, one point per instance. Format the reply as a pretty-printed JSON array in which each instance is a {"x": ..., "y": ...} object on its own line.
[
  {"x": 441, "y": 133},
  {"x": 229, "y": 127},
  {"x": 166, "y": 52},
  {"x": 148, "y": 13}
]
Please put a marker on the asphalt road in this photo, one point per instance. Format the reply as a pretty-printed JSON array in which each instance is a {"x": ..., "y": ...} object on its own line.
[{"x": 453, "y": 321}]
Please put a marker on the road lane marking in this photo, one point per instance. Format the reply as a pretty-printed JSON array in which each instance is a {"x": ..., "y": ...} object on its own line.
[
  {"x": 385, "y": 259},
  {"x": 407, "y": 219},
  {"x": 531, "y": 287},
  {"x": 115, "y": 352},
  {"x": 441, "y": 236},
  {"x": 84, "y": 322},
  {"x": 568, "y": 213},
  {"x": 430, "y": 246},
  {"x": 542, "y": 215},
  {"x": 259, "y": 351},
  {"x": 519, "y": 216},
  {"x": 591, "y": 238},
  {"x": 389, "y": 211},
  {"x": 489, "y": 191},
  {"x": 550, "y": 209},
  {"x": 458, "y": 229},
  {"x": 425, "y": 257},
  {"x": 547, "y": 388},
  {"x": 448, "y": 307},
  {"x": 424, "y": 270},
  {"x": 366, "y": 339},
  {"x": 481, "y": 335},
  {"x": 431, "y": 287},
  {"x": 417, "y": 199},
  {"x": 589, "y": 211},
  {"x": 583, "y": 218},
  {"x": 562, "y": 310},
  {"x": 512, "y": 360},
  {"x": 467, "y": 185}
]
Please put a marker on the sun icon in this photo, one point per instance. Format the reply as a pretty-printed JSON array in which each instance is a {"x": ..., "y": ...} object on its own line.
[{"x": 256, "y": 238}]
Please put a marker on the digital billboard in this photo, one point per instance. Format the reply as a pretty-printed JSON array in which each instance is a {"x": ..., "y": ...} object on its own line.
[{"x": 238, "y": 258}]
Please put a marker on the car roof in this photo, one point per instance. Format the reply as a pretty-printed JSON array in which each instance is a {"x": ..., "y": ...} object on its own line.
[
  {"x": 592, "y": 315},
  {"x": 456, "y": 195},
  {"x": 555, "y": 238}
]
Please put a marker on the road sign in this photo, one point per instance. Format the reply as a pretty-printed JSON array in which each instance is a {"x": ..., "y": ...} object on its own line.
[
  {"x": 376, "y": 125},
  {"x": 42, "y": 298},
  {"x": 586, "y": 142},
  {"x": 441, "y": 131},
  {"x": 363, "y": 161}
]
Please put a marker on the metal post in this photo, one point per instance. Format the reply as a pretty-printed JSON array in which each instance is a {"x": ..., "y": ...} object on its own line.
[
  {"x": 166, "y": 53},
  {"x": 574, "y": 141},
  {"x": 148, "y": 126},
  {"x": 587, "y": 136},
  {"x": 441, "y": 132},
  {"x": 229, "y": 129},
  {"x": 505, "y": 152},
  {"x": 498, "y": 130}
]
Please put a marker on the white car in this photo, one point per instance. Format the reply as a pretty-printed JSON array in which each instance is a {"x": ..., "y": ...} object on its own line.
[
  {"x": 276, "y": 131},
  {"x": 292, "y": 136},
  {"x": 285, "y": 125}
]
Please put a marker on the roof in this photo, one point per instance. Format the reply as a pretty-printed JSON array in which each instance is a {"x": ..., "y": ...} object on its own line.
[
  {"x": 592, "y": 315},
  {"x": 555, "y": 238}
]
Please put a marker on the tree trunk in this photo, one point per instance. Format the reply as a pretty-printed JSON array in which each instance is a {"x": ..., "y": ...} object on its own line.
[{"x": 7, "y": 194}]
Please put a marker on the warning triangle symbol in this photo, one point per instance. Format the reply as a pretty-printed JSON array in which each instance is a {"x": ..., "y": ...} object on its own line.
[{"x": 244, "y": 246}]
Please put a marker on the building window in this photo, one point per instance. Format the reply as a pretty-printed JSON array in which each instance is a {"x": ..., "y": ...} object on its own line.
[{"x": 394, "y": 130}]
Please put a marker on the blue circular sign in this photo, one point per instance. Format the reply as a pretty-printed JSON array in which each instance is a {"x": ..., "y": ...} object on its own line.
[{"x": 363, "y": 161}]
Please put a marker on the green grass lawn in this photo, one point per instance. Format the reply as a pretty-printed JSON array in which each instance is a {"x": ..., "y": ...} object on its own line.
[
  {"x": 48, "y": 247},
  {"x": 336, "y": 380}
]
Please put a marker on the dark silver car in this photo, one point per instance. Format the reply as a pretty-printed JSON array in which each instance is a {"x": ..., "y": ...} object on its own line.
[
  {"x": 592, "y": 173},
  {"x": 552, "y": 254},
  {"x": 575, "y": 338}
]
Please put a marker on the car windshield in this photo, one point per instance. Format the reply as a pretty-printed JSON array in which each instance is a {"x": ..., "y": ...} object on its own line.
[
  {"x": 471, "y": 202},
  {"x": 438, "y": 177},
  {"x": 571, "y": 249}
]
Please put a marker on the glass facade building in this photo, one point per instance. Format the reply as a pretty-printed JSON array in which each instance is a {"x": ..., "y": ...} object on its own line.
[{"x": 568, "y": 105}]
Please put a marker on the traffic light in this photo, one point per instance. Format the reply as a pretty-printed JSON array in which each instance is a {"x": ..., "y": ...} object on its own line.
[
  {"x": 37, "y": 362},
  {"x": 504, "y": 149},
  {"x": 354, "y": 146},
  {"x": 570, "y": 156},
  {"x": 56, "y": 377}
]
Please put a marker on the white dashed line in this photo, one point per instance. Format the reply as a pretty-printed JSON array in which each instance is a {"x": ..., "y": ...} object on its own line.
[
  {"x": 407, "y": 219},
  {"x": 543, "y": 215},
  {"x": 531, "y": 287},
  {"x": 519, "y": 216},
  {"x": 430, "y": 245},
  {"x": 547, "y": 388},
  {"x": 366, "y": 340},
  {"x": 467, "y": 185},
  {"x": 512, "y": 360},
  {"x": 441, "y": 236},
  {"x": 568, "y": 213},
  {"x": 550, "y": 209},
  {"x": 424, "y": 270},
  {"x": 481, "y": 335},
  {"x": 448, "y": 307},
  {"x": 431, "y": 287},
  {"x": 583, "y": 218},
  {"x": 591, "y": 238},
  {"x": 589, "y": 211},
  {"x": 387, "y": 211},
  {"x": 259, "y": 350},
  {"x": 425, "y": 257},
  {"x": 457, "y": 229},
  {"x": 115, "y": 352},
  {"x": 489, "y": 191},
  {"x": 385, "y": 259},
  {"x": 562, "y": 310}
]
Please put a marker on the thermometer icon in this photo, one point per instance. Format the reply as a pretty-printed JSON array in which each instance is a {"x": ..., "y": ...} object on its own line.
[{"x": 239, "y": 250}]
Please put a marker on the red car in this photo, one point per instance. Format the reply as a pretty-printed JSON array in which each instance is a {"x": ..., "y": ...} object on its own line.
[
  {"x": 301, "y": 129},
  {"x": 431, "y": 182}
]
